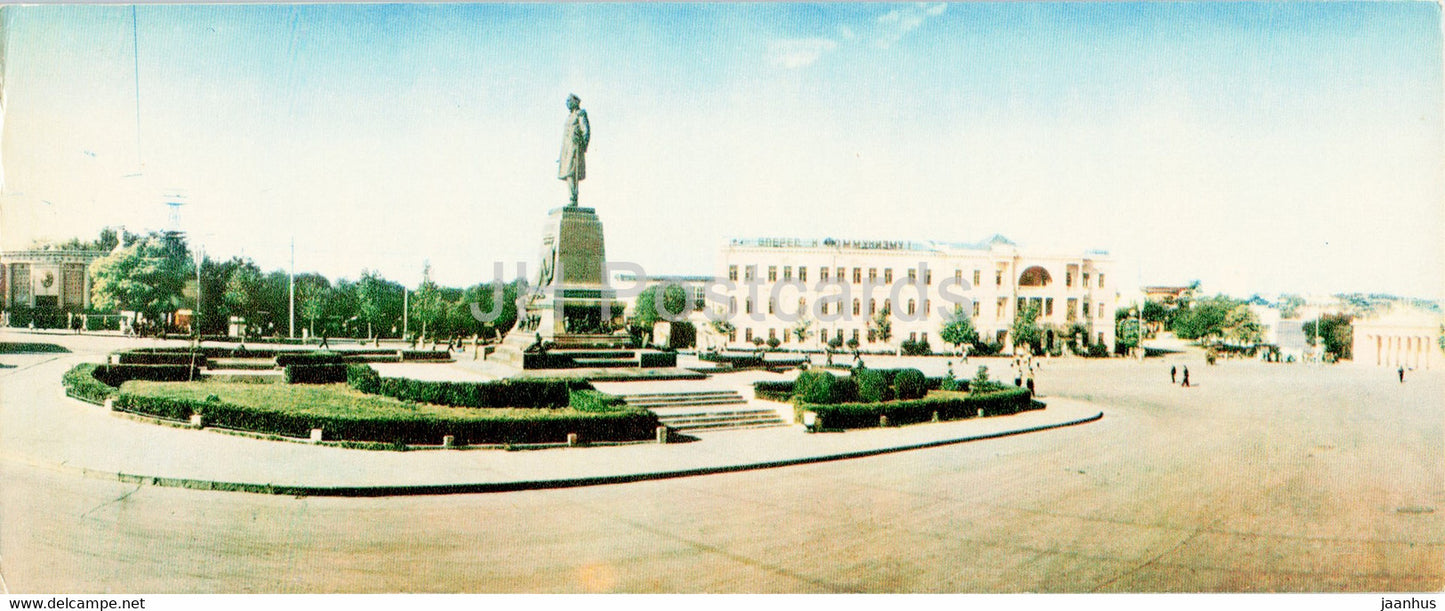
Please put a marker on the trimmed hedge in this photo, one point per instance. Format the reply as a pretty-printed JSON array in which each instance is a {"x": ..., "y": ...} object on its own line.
[
  {"x": 775, "y": 390},
  {"x": 115, "y": 375},
  {"x": 626, "y": 425},
  {"x": 326, "y": 373},
  {"x": 81, "y": 383},
  {"x": 865, "y": 415},
  {"x": 162, "y": 358},
  {"x": 515, "y": 392},
  {"x": 874, "y": 385},
  {"x": 310, "y": 358},
  {"x": 736, "y": 360}
]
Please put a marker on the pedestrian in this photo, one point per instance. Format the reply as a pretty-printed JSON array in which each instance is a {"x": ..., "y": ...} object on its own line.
[
  {"x": 1173, "y": 373},
  {"x": 1402, "y": 374},
  {"x": 1186, "y": 376},
  {"x": 324, "y": 345}
]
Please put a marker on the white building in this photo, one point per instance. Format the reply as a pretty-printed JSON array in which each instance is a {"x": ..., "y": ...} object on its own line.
[
  {"x": 1400, "y": 338},
  {"x": 46, "y": 278},
  {"x": 839, "y": 285}
]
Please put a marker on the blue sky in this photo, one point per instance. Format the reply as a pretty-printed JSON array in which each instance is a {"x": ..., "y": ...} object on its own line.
[{"x": 1258, "y": 147}]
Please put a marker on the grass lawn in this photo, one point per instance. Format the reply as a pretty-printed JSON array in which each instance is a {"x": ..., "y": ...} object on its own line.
[{"x": 333, "y": 400}]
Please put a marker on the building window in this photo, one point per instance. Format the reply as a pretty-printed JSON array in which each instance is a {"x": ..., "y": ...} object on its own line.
[
  {"x": 802, "y": 306},
  {"x": 772, "y": 306},
  {"x": 748, "y": 306},
  {"x": 857, "y": 275},
  {"x": 802, "y": 274},
  {"x": 998, "y": 277},
  {"x": 1101, "y": 280},
  {"x": 772, "y": 273},
  {"x": 887, "y": 305},
  {"x": 912, "y": 307},
  {"x": 750, "y": 273},
  {"x": 772, "y": 334},
  {"x": 1086, "y": 309},
  {"x": 840, "y": 335},
  {"x": 856, "y": 306},
  {"x": 733, "y": 273},
  {"x": 1019, "y": 309},
  {"x": 872, "y": 335},
  {"x": 912, "y": 336},
  {"x": 1049, "y": 306},
  {"x": 975, "y": 309},
  {"x": 976, "y": 280},
  {"x": 927, "y": 308},
  {"x": 1002, "y": 305},
  {"x": 855, "y": 335},
  {"x": 732, "y": 305},
  {"x": 1068, "y": 279},
  {"x": 958, "y": 276},
  {"x": 923, "y": 337},
  {"x": 787, "y": 272},
  {"x": 888, "y": 275},
  {"x": 823, "y": 274},
  {"x": 928, "y": 277},
  {"x": 873, "y": 274},
  {"x": 1086, "y": 279},
  {"x": 912, "y": 275},
  {"x": 872, "y": 307},
  {"x": 749, "y": 336},
  {"x": 1101, "y": 309},
  {"x": 733, "y": 334},
  {"x": 1073, "y": 309}
]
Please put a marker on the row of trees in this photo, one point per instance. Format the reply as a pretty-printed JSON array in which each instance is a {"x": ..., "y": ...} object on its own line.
[{"x": 156, "y": 275}]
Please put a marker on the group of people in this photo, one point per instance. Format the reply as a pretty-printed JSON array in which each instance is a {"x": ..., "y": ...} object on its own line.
[
  {"x": 1174, "y": 373},
  {"x": 1023, "y": 366}
]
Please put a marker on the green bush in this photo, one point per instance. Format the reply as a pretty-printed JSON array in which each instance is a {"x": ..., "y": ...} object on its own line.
[
  {"x": 596, "y": 401},
  {"x": 916, "y": 348},
  {"x": 949, "y": 407},
  {"x": 81, "y": 383},
  {"x": 909, "y": 384},
  {"x": 736, "y": 360},
  {"x": 773, "y": 390},
  {"x": 329, "y": 373},
  {"x": 873, "y": 385},
  {"x": 815, "y": 387}
]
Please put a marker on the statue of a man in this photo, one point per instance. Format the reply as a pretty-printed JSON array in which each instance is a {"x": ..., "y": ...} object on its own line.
[{"x": 572, "y": 164}]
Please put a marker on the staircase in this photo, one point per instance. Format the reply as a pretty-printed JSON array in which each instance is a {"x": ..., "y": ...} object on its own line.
[{"x": 704, "y": 410}]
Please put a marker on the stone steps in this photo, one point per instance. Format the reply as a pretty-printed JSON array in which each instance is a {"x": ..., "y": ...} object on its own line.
[
  {"x": 721, "y": 420},
  {"x": 684, "y": 399}
]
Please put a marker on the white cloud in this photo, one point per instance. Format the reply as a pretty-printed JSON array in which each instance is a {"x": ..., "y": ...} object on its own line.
[
  {"x": 846, "y": 32},
  {"x": 897, "y": 23},
  {"x": 799, "y": 52}
]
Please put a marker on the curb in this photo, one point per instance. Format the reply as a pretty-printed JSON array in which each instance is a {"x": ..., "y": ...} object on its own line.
[{"x": 491, "y": 487}]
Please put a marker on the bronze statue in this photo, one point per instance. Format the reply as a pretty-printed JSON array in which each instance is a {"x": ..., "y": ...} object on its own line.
[{"x": 572, "y": 163}]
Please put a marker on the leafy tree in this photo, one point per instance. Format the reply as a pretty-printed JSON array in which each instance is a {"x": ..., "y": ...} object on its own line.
[
  {"x": 1126, "y": 330},
  {"x": 881, "y": 325},
  {"x": 146, "y": 277},
  {"x": 243, "y": 293},
  {"x": 1205, "y": 318},
  {"x": 311, "y": 292},
  {"x": 379, "y": 302},
  {"x": 1026, "y": 329},
  {"x": 958, "y": 329},
  {"x": 1242, "y": 326},
  {"x": 1336, "y": 331},
  {"x": 646, "y": 315},
  {"x": 803, "y": 329},
  {"x": 1289, "y": 305}
]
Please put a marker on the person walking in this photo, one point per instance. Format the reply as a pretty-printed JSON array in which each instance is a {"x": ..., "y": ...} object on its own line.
[
  {"x": 1402, "y": 374},
  {"x": 1186, "y": 376},
  {"x": 1173, "y": 374}
]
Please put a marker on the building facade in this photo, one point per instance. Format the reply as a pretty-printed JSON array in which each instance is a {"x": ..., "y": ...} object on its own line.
[
  {"x": 837, "y": 286},
  {"x": 1401, "y": 338},
  {"x": 46, "y": 279}
]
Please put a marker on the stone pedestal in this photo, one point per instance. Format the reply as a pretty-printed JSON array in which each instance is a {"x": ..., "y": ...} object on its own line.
[{"x": 572, "y": 303}]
